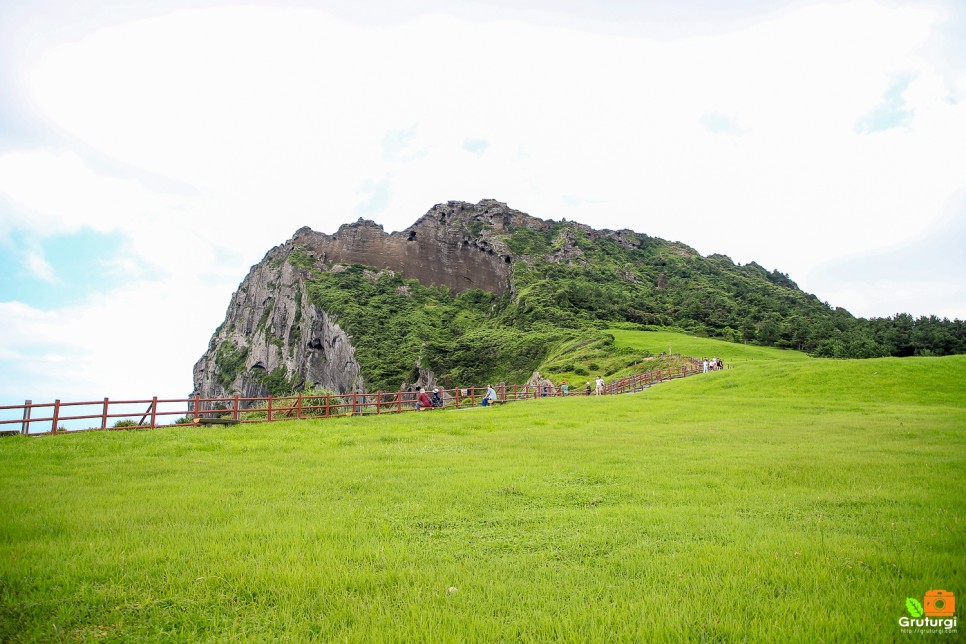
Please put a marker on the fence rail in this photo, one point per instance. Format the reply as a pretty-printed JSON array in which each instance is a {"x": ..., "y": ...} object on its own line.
[{"x": 150, "y": 413}]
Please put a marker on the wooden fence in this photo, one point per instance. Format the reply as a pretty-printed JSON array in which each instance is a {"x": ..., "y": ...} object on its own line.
[{"x": 157, "y": 412}]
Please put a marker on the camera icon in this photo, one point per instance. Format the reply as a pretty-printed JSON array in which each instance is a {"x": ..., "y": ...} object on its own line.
[{"x": 939, "y": 603}]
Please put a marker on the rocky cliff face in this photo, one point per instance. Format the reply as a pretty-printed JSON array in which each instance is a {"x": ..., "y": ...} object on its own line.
[
  {"x": 454, "y": 245},
  {"x": 273, "y": 339}
]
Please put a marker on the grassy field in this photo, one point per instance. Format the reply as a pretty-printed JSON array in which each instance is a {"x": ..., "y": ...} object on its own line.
[
  {"x": 787, "y": 499},
  {"x": 732, "y": 353}
]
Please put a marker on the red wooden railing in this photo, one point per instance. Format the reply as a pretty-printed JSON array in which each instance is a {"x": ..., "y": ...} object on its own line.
[{"x": 196, "y": 410}]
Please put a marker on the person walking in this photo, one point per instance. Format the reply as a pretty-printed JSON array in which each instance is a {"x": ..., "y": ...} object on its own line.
[
  {"x": 564, "y": 388},
  {"x": 600, "y": 386}
]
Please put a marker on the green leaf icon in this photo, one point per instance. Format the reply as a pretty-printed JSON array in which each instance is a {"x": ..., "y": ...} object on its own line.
[{"x": 914, "y": 607}]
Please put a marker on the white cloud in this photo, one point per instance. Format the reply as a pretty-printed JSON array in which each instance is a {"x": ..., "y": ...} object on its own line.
[
  {"x": 206, "y": 136},
  {"x": 140, "y": 340},
  {"x": 58, "y": 193},
  {"x": 941, "y": 297},
  {"x": 38, "y": 266}
]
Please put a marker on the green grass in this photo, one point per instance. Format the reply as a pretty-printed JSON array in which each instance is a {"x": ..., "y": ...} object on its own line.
[
  {"x": 783, "y": 500},
  {"x": 657, "y": 342}
]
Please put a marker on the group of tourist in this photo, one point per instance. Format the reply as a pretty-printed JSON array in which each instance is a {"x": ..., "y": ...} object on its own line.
[
  {"x": 425, "y": 402},
  {"x": 598, "y": 388},
  {"x": 715, "y": 364}
]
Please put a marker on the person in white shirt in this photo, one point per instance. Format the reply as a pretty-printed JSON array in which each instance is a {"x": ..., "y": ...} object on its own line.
[{"x": 490, "y": 396}]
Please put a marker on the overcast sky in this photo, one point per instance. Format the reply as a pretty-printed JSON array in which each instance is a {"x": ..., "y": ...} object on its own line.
[{"x": 151, "y": 152}]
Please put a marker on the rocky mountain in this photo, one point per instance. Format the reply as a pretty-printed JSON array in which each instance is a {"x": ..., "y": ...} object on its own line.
[
  {"x": 274, "y": 338},
  {"x": 472, "y": 292},
  {"x": 271, "y": 334}
]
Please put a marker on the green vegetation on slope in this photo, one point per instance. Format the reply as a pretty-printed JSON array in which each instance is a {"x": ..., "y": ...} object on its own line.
[
  {"x": 656, "y": 342},
  {"x": 781, "y": 500},
  {"x": 631, "y": 277},
  {"x": 568, "y": 284},
  {"x": 398, "y": 325}
]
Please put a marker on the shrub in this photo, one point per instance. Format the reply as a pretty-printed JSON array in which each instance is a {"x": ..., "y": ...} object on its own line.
[
  {"x": 313, "y": 403},
  {"x": 229, "y": 361}
]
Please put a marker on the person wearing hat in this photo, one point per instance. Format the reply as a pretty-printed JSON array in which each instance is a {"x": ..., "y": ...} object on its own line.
[
  {"x": 436, "y": 400},
  {"x": 564, "y": 388},
  {"x": 422, "y": 401}
]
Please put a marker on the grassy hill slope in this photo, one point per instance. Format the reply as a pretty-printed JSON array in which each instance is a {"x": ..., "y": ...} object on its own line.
[
  {"x": 656, "y": 342},
  {"x": 782, "y": 500}
]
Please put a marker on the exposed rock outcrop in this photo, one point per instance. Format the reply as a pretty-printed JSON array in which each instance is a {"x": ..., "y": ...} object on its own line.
[
  {"x": 273, "y": 335},
  {"x": 426, "y": 379},
  {"x": 454, "y": 245},
  {"x": 274, "y": 338},
  {"x": 544, "y": 386}
]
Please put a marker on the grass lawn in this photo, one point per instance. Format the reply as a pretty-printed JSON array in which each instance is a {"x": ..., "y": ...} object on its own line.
[
  {"x": 731, "y": 352},
  {"x": 782, "y": 500}
]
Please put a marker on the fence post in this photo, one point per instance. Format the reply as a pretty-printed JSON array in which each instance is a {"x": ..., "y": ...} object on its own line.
[
  {"x": 25, "y": 427},
  {"x": 154, "y": 412},
  {"x": 378, "y": 402},
  {"x": 234, "y": 410},
  {"x": 53, "y": 429},
  {"x": 355, "y": 402},
  {"x": 328, "y": 399},
  {"x": 196, "y": 416},
  {"x": 298, "y": 407},
  {"x": 268, "y": 415}
]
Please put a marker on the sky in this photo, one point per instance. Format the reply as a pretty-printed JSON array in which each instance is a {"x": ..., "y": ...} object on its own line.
[{"x": 151, "y": 152}]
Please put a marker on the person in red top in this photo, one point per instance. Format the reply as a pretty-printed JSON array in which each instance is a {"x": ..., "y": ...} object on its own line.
[{"x": 422, "y": 402}]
